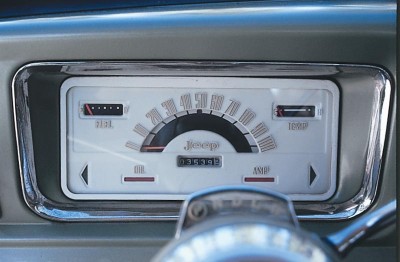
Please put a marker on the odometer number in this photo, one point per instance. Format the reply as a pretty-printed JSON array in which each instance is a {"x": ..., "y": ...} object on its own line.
[{"x": 207, "y": 161}]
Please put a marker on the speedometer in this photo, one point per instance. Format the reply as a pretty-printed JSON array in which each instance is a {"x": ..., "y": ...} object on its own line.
[{"x": 161, "y": 138}]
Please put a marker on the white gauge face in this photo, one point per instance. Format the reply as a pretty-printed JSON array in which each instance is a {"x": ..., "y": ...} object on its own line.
[{"x": 162, "y": 138}]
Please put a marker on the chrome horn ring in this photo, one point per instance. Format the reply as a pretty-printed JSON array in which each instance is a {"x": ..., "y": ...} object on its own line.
[{"x": 249, "y": 224}]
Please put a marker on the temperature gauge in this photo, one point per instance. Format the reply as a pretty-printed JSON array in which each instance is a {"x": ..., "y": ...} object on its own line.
[{"x": 295, "y": 111}]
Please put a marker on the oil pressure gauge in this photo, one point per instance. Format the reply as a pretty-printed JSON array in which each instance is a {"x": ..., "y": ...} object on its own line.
[{"x": 162, "y": 138}]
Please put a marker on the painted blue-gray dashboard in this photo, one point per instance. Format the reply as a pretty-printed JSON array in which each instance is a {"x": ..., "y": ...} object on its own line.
[{"x": 328, "y": 32}]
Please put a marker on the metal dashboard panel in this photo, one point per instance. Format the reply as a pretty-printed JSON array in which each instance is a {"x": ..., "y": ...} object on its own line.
[{"x": 376, "y": 83}]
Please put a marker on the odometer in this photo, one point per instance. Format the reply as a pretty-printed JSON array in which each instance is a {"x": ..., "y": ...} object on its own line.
[
  {"x": 166, "y": 137},
  {"x": 205, "y": 161}
]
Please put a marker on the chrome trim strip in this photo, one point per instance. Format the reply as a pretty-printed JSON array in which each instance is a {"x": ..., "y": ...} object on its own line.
[{"x": 122, "y": 211}]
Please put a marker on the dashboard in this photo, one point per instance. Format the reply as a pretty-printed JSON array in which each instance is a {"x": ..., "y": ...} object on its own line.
[{"x": 111, "y": 118}]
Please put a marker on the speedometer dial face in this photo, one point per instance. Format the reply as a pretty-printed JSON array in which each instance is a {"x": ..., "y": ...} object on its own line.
[{"x": 162, "y": 138}]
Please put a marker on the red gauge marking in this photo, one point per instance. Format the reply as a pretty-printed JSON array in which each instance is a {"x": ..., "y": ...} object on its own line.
[
  {"x": 139, "y": 179},
  {"x": 280, "y": 112},
  {"x": 88, "y": 109},
  {"x": 153, "y": 147},
  {"x": 259, "y": 179}
]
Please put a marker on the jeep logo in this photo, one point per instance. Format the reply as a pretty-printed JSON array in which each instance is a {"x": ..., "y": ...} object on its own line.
[{"x": 212, "y": 146}]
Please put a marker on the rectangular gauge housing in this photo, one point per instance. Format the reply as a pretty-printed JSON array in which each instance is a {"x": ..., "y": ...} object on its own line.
[{"x": 161, "y": 138}]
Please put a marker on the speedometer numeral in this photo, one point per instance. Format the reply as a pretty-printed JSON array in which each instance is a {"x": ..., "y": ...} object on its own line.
[
  {"x": 201, "y": 99},
  {"x": 259, "y": 130},
  {"x": 267, "y": 143},
  {"x": 232, "y": 108},
  {"x": 154, "y": 116},
  {"x": 247, "y": 116},
  {"x": 132, "y": 145},
  {"x": 141, "y": 130},
  {"x": 186, "y": 102},
  {"x": 169, "y": 105},
  {"x": 216, "y": 102}
]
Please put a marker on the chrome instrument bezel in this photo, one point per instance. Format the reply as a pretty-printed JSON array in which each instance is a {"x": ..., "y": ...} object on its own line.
[{"x": 122, "y": 211}]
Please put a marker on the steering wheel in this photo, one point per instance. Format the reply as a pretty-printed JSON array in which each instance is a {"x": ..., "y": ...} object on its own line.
[{"x": 250, "y": 224}]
